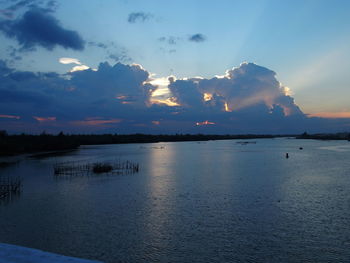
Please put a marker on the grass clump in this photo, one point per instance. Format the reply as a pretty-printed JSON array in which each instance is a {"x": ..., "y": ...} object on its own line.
[{"x": 102, "y": 168}]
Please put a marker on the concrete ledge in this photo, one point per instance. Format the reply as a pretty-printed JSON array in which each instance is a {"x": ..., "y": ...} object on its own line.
[{"x": 17, "y": 254}]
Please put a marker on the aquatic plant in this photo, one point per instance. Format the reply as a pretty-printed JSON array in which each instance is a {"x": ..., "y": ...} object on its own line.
[
  {"x": 9, "y": 186},
  {"x": 101, "y": 168},
  {"x": 76, "y": 169}
]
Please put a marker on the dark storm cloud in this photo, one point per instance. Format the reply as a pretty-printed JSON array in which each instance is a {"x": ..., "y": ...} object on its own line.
[
  {"x": 116, "y": 98},
  {"x": 139, "y": 17},
  {"x": 197, "y": 38},
  {"x": 111, "y": 91},
  {"x": 38, "y": 28}
]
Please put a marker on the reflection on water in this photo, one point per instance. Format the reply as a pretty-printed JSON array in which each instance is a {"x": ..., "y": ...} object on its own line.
[
  {"x": 161, "y": 184},
  {"x": 337, "y": 148},
  {"x": 9, "y": 198},
  {"x": 218, "y": 201}
]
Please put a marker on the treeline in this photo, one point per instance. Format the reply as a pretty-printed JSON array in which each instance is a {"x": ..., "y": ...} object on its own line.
[
  {"x": 24, "y": 143},
  {"x": 325, "y": 136},
  {"x": 149, "y": 138}
]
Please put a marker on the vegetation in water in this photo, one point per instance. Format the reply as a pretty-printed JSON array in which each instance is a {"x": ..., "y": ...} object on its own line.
[{"x": 77, "y": 169}]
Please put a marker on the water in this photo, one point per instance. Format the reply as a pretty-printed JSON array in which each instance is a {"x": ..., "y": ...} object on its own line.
[{"x": 215, "y": 201}]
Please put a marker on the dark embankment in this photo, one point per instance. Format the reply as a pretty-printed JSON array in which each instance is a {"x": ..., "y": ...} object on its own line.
[
  {"x": 18, "y": 144},
  {"x": 148, "y": 138},
  {"x": 325, "y": 136}
]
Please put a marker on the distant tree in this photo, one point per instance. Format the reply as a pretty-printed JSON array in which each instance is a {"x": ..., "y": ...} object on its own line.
[{"x": 61, "y": 134}]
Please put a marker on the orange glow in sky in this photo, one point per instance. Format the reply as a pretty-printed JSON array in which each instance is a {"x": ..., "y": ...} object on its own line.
[
  {"x": 207, "y": 96},
  {"x": 42, "y": 119},
  {"x": 205, "y": 123},
  {"x": 169, "y": 102},
  {"x": 331, "y": 115},
  {"x": 10, "y": 116},
  {"x": 227, "y": 109},
  {"x": 95, "y": 122}
]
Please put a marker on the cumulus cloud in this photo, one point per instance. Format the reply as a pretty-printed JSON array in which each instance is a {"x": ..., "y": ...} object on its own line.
[
  {"x": 127, "y": 99},
  {"x": 39, "y": 28},
  {"x": 139, "y": 17},
  {"x": 197, "y": 38},
  {"x": 248, "y": 85}
]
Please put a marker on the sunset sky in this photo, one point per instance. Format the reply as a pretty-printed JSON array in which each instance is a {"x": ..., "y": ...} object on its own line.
[{"x": 225, "y": 62}]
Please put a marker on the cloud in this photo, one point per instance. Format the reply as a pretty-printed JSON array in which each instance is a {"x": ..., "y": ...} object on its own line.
[
  {"x": 245, "y": 86},
  {"x": 14, "y": 54},
  {"x": 69, "y": 61},
  {"x": 113, "y": 51},
  {"x": 98, "y": 44},
  {"x": 205, "y": 123},
  {"x": 119, "y": 56},
  {"x": 19, "y": 5},
  {"x": 197, "y": 38},
  {"x": 171, "y": 40},
  {"x": 4, "y": 70},
  {"x": 44, "y": 119},
  {"x": 139, "y": 17},
  {"x": 38, "y": 28},
  {"x": 331, "y": 115},
  {"x": 95, "y": 122},
  {"x": 9, "y": 11},
  {"x": 80, "y": 66},
  {"x": 128, "y": 99},
  {"x": 9, "y": 116}
]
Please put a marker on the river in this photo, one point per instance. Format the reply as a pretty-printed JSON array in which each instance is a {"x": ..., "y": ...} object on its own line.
[{"x": 215, "y": 201}]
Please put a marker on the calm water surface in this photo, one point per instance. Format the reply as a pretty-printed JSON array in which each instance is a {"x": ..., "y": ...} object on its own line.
[{"x": 215, "y": 201}]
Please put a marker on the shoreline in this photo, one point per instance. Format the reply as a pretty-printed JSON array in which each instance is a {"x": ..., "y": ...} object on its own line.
[
  {"x": 46, "y": 144},
  {"x": 11, "y": 145}
]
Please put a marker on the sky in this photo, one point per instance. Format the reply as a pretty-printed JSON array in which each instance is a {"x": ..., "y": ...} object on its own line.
[{"x": 175, "y": 66}]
